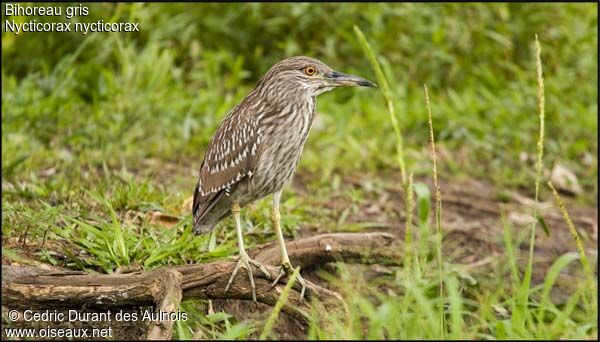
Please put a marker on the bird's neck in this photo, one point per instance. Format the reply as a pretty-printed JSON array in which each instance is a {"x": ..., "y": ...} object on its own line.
[
  {"x": 296, "y": 114},
  {"x": 280, "y": 92}
]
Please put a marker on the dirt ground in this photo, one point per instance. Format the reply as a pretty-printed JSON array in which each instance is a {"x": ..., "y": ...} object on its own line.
[
  {"x": 473, "y": 235},
  {"x": 472, "y": 230}
]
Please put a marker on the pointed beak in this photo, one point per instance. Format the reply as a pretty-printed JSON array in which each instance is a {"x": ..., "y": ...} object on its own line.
[{"x": 339, "y": 79}]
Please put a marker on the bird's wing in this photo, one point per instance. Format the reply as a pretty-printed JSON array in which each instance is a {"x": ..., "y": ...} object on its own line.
[{"x": 231, "y": 155}]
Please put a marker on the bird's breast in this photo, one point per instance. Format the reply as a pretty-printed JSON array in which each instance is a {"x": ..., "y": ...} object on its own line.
[{"x": 283, "y": 137}]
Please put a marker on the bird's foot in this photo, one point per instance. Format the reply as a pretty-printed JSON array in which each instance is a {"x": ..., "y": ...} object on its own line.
[
  {"x": 245, "y": 261},
  {"x": 287, "y": 270}
]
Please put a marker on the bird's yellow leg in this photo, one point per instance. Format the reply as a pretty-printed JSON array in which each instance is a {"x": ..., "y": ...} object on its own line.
[
  {"x": 244, "y": 259},
  {"x": 286, "y": 266}
]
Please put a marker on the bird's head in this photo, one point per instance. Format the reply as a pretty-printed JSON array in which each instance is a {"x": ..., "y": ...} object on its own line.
[{"x": 306, "y": 76}]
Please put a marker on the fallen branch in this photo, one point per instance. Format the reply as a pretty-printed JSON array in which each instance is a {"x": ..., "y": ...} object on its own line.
[
  {"x": 364, "y": 248},
  {"x": 168, "y": 300},
  {"x": 164, "y": 288}
]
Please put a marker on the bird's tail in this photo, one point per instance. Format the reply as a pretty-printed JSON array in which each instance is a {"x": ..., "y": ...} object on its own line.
[{"x": 203, "y": 227}]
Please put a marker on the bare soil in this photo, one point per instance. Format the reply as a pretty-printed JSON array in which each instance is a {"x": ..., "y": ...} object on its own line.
[{"x": 472, "y": 233}]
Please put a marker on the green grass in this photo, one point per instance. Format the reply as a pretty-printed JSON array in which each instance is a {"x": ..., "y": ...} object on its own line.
[
  {"x": 166, "y": 88},
  {"x": 99, "y": 130},
  {"x": 280, "y": 303},
  {"x": 407, "y": 310}
]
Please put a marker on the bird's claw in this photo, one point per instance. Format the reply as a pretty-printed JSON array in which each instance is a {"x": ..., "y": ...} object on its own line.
[
  {"x": 261, "y": 267},
  {"x": 245, "y": 261},
  {"x": 286, "y": 269}
]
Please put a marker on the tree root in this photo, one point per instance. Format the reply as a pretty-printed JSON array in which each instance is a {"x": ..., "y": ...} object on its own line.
[{"x": 164, "y": 288}]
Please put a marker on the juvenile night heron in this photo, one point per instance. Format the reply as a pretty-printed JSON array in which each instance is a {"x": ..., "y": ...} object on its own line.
[{"x": 257, "y": 146}]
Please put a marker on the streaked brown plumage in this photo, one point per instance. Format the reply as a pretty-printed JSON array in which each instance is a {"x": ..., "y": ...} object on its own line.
[{"x": 256, "y": 148}]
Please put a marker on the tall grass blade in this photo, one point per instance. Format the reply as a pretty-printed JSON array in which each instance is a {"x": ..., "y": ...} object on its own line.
[
  {"x": 523, "y": 293},
  {"x": 508, "y": 245},
  {"x": 592, "y": 304},
  {"x": 280, "y": 302},
  {"x": 409, "y": 219},
  {"x": 438, "y": 211},
  {"x": 572, "y": 230},
  {"x": 456, "y": 315},
  {"x": 387, "y": 94}
]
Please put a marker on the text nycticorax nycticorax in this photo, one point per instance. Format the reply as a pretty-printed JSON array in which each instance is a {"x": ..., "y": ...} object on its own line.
[{"x": 257, "y": 146}]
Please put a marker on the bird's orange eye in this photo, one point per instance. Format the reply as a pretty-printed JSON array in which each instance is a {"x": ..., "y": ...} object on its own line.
[{"x": 309, "y": 70}]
